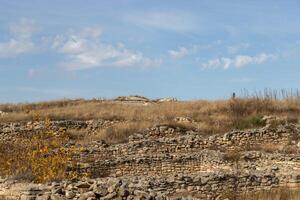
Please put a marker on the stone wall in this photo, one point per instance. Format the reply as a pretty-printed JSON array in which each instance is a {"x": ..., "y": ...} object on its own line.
[
  {"x": 167, "y": 150},
  {"x": 200, "y": 186},
  {"x": 166, "y": 162},
  {"x": 10, "y": 131}
]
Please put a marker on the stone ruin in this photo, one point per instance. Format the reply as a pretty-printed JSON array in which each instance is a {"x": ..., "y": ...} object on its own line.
[{"x": 169, "y": 162}]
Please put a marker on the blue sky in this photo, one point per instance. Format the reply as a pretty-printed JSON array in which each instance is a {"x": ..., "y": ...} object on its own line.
[{"x": 192, "y": 49}]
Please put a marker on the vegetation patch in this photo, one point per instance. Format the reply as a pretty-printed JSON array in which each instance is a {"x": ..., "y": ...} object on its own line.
[
  {"x": 248, "y": 122},
  {"x": 40, "y": 158}
]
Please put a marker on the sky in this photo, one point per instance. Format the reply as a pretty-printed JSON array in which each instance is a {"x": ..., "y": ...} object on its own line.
[{"x": 195, "y": 49}]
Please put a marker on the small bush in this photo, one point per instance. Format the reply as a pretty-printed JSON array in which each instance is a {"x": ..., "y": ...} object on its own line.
[
  {"x": 245, "y": 107},
  {"x": 232, "y": 156},
  {"x": 248, "y": 122},
  {"x": 76, "y": 134},
  {"x": 41, "y": 158}
]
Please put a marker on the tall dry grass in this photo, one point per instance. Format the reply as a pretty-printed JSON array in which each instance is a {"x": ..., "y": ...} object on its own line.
[
  {"x": 209, "y": 117},
  {"x": 282, "y": 193}
]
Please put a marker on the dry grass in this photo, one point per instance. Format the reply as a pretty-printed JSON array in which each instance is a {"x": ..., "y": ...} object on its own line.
[
  {"x": 267, "y": 148},
  {"x": 212, "y": 116},
  {"x": 117, "y": 133},
  {"x": 232, "y": 156},
  {"x": 209, "y": 117},
  {"x": 271, "y": 148},
  {"x": 283, "y": 193}
]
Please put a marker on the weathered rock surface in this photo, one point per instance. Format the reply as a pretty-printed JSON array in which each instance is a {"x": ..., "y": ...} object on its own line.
[{"x": 132, "y": 98}]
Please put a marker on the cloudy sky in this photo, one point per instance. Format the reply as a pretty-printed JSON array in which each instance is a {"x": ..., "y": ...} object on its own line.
[{"x": 192, "y": 49}]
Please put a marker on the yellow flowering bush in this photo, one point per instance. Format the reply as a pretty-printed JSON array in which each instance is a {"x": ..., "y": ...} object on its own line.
[{"x": 40, "y": 158}]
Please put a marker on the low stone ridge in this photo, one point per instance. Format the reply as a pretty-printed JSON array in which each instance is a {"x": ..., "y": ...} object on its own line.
[
  {"x": 169, "y": 99},
  {"x": 9, "y": 131},
  {"x": 163, "y": 150},
  {"x": 132, "y": 98},
  {"x": 199, "y": 186},
  {"x": 171, "y": 162}
]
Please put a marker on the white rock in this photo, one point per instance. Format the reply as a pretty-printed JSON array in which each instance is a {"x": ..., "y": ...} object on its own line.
[{"x": 3, "y": 113}]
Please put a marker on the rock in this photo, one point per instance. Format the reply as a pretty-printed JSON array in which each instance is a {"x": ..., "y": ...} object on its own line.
[
  {"x": 132, "y": 98},
  {"x": 274, "y": 168},
  {"x": 101, "y": 191},
  {"x": 87, "y": 195},
  {"x": 123, "y": 192},
  {"x": 227, "y": 136},
  {"x": 111, "y": 189},
  {"x": 70, "y": 194},
  {"x": 109, "y": 196},
  {"x": 57, "y": 191},
  {"x": 204, "y": 180},
  {"x": 141, "y": 194},
  {"x": 27, "y": 197},
  {"x": 190, "y": 188},
  {"x": 43, "y": 197},
  {"x": 2, "y": 114},
  {"x": 167, "y": 100},
  {"x": 56, "y": 197},
  {"x": 183, "y": 119},
  {"x": 82, "y": 185}
]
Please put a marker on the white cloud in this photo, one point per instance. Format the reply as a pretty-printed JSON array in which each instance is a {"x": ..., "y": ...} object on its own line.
[
  {"x": 73, "y": 46},
  {"x": 226, "y": 62},
  {"x": 238, "y": 61},
  {"x": 173, "y": 21},
  {"x": 24, "y": 28},
  {"x": 180, "y": 53},
  {"x": 91, "y": 32},
  {"x": 21, "y": 42},
  {"x": 236, "y": 48},
  {"x": 85, "y": 50},
  {"x": 15, "y": 47}
]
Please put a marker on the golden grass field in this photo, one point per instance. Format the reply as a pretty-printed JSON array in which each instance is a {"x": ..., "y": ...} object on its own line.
[{"x": 210, "y": 116}]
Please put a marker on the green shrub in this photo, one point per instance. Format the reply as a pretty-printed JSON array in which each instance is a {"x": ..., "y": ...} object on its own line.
[{"x": 248, "y": 122}]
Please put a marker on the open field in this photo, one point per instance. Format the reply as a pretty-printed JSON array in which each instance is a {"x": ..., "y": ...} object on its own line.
[{"x": 211, "y": 116}]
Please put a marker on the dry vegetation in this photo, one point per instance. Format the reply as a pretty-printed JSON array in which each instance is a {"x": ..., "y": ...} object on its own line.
[
  {"x": 271, "y": 148},
  {"x": 209, "y": 116},
  {"x": 40, "y": 158},
  {"x": 282, "y": 193},
  {"x": 117, "y": 133}
]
